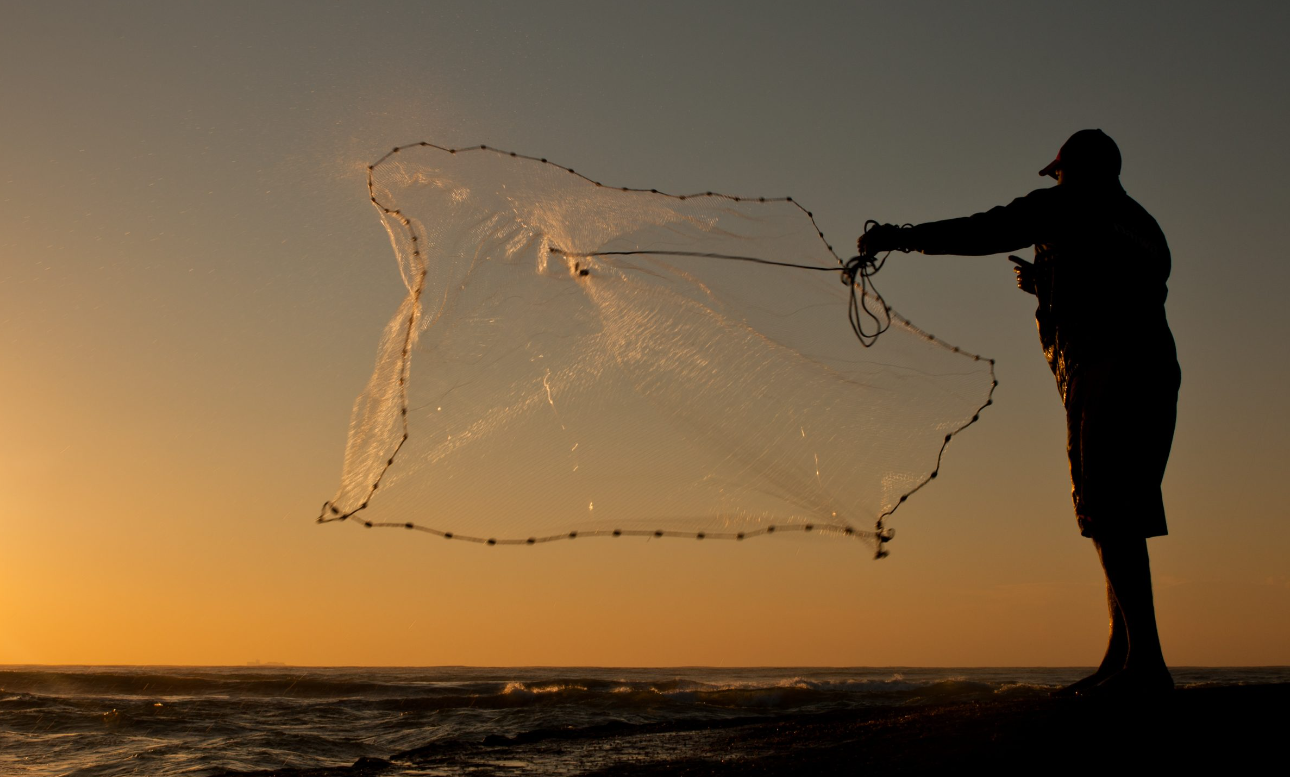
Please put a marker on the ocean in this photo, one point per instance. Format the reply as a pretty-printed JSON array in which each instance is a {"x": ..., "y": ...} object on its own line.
[{"x": 225, "y": 721}]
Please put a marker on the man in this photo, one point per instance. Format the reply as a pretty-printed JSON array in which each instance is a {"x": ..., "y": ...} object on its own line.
[{"x": 1100, "y": 269}]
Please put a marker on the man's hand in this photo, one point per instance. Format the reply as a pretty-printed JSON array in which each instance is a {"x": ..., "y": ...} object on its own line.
[
  {"x": 879, "y": 238},
  {"x": 1025, "y": 274}
]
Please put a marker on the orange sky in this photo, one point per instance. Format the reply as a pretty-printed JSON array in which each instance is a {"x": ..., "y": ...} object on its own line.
[{"x": 192, "y": 284}]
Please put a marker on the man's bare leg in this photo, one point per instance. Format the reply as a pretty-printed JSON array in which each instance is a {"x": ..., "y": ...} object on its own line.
[
  {"x": 1128, "y": 575},
  {"x": 1117, "y": 648}
]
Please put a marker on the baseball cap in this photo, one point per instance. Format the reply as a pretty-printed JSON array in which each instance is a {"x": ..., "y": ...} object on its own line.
[{"x": 1090, "y": 150}]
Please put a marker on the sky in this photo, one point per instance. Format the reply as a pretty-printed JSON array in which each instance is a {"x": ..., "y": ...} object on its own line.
[{"x": 192, "y": 285}]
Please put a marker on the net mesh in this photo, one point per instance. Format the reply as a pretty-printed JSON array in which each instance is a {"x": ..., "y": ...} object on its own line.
[{"x": 574, "y": 360}]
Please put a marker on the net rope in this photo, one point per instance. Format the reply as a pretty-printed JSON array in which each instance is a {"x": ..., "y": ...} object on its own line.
[{"x": 702, "y": 398}]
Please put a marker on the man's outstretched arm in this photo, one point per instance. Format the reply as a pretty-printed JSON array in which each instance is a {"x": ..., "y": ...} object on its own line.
[{"x": 1005, "y": 228}]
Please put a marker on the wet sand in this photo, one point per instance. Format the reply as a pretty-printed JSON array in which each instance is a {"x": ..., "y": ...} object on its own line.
[{"x": 1198, "y": 728}]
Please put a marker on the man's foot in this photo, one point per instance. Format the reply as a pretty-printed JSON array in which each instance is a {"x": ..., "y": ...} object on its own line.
[
  {"x": 1082, "y": 687},
  {"x": 1155, "y": 682}
]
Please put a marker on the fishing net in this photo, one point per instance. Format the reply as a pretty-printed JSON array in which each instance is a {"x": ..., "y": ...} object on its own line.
[{"x": 576, "y": 360}]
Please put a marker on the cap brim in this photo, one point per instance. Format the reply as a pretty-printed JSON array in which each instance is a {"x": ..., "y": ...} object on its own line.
[{"x": 1051, "y": 170}]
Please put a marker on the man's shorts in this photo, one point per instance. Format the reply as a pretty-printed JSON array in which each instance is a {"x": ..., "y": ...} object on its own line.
[{"x": 1120, "y": 426}]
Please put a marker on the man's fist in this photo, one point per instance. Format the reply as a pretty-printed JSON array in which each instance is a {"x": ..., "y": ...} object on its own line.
[{"x": 879, "y": 238}]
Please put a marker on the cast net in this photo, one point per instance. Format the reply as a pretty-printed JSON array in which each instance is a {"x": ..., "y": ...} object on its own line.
[{"x": 576, "y": 360}]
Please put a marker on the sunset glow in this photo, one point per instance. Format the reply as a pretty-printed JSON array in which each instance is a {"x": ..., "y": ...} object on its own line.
[{"x": 193, "y": 284}]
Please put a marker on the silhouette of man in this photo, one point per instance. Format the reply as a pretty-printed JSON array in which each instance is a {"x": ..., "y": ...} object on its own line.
[{"x": 1100, "y": 269}]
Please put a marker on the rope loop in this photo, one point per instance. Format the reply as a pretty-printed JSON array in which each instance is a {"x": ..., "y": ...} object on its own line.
[{"x": 867, "y": 311}]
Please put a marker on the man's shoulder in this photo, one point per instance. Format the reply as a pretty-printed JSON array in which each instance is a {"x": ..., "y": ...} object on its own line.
[{"x": 1046, "y": 199}]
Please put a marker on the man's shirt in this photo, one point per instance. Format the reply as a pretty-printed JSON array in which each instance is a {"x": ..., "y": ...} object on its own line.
[{"x": 1101, "y": 268}]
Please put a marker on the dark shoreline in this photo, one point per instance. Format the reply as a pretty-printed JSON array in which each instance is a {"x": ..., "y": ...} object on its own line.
[
  {"x": 1227, "y": 726},
  {"x": 1211, "y": 727}
]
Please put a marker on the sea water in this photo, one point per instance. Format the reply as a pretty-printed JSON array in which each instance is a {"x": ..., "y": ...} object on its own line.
[{"x": 208, "y": 721}]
